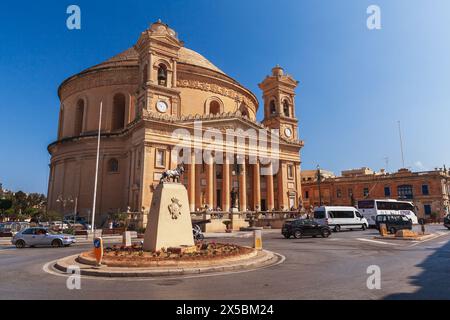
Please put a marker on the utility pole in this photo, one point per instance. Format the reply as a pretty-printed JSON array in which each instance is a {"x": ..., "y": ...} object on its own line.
[
  {"x": 318, "y": 185},
  {"x": 96, "y": 167},
  {"x": 401, "y": 143}
]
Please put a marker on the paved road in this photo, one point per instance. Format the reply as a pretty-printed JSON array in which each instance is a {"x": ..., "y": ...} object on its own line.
[{"x": 315, "y": 268}]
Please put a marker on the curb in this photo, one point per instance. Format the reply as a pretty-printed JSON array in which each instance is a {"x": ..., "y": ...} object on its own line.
[{"x": 266, "y": 258}]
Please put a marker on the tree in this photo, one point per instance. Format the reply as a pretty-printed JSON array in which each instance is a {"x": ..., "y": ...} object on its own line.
[{"x": 5, "y": 204}]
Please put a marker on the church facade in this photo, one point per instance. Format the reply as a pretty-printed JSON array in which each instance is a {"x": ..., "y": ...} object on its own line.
[{"x": 164, "y": 104}]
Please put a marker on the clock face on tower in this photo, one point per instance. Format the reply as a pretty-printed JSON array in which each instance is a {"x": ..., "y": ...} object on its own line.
[
  {"x": 288, "y": 132},
  {"x": 161, "y": 106}
]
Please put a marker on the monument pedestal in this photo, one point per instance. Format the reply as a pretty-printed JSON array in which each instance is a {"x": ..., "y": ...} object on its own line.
[{"x": 169, "y": 219}]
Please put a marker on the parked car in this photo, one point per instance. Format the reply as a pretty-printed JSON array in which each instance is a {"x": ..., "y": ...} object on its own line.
[
  {"x": 447, "y": 221},
  {"x": 393, "y": 222},
  {"x": 38, "y": 236},
  {"x": 304, "y": 227},
  {"x": 338, "y": 218}
]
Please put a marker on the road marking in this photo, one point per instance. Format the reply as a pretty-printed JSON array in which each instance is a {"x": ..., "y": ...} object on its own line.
[
  {"x": 435, "y": 237},
  {"x": 377, "y": 241}
]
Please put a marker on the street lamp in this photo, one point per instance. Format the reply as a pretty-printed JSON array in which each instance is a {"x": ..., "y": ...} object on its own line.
[
  {"x": 237, "y": 172},
  {"x": 319, "y": 177},
  {"x": 63, "y": 201}
]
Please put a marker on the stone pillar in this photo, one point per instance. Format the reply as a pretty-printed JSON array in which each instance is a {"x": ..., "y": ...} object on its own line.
[
  {"x": 283, "y": 200},
  {"x": 191, "y": 182},
  {"x": 243, "y": 188},
  {"x": 269, "y": 188},
  {"x": 210, "y": 184},
  {"x": 226, "y": 185},
  {"x": 256, "y": 186}
]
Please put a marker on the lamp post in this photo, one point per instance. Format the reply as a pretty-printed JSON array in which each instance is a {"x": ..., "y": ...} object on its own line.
[
  {"x": 63, "y": 202},
  {"x": 319, "y": 177},
  {"x": 237, "y": 172}
]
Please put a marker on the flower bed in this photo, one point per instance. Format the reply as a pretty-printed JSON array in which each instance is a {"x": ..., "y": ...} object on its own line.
[{"x": 204, "y": 253}]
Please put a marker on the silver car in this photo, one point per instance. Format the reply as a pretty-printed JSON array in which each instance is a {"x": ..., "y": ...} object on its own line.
[{"x": 38, "y": 236}]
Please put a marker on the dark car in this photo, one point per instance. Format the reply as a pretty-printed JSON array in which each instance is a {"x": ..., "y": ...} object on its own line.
[
  {"x": 393, "y": 222},
  {"x": 304, "y": 227},
  {"x": 447, "y": 221}
]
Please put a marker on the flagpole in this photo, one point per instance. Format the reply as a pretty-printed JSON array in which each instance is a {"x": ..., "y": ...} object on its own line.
[{"x": 96, "y": 167}]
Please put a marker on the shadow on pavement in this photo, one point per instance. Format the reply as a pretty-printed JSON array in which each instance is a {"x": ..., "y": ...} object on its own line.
[{"x": 434, "y": 280}]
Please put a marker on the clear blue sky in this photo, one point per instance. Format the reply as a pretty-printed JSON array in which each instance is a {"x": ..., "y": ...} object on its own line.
[{"x": 354, "y": 83}]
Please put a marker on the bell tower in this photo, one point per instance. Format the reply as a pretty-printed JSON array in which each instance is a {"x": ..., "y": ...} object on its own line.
[
  {"x": 279, "y": 105},
  {"x": 158, "y": 49}
]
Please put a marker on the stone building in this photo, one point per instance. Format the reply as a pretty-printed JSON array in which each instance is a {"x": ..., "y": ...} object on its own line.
[
  {"x": 429, "y": 191},
  {"x": 150, "y": 93}
]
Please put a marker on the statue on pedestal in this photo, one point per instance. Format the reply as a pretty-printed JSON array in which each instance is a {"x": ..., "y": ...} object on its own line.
[
  {"x": 233, "y": 195},
  {"x": 172, "y": 174}
]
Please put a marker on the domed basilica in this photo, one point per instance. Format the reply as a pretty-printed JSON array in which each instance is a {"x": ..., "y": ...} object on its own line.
[{"x": 150, "y": 91}]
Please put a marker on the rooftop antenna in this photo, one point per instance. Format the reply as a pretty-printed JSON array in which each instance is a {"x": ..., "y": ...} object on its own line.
[{"x": 401, "y": 143}]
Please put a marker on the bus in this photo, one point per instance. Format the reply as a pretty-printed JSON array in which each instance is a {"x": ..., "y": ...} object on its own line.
[{"x": 371, "y": 208}]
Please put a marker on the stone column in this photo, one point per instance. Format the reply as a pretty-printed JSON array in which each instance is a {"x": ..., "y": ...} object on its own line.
[
  {"x": 191, "y": 182},
  {"x": 243, "y": 188},
  {"x": 256, "y": 187},
  {"x": 226, "y": 185},
  {"x": 269, "y": 188},
  {"x": 210, "y": 184}
]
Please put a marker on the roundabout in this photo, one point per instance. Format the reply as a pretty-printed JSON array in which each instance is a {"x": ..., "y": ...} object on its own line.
[{"x": 85, "y": 263}]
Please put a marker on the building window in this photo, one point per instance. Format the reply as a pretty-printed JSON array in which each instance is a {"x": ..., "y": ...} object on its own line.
[
  {"x": 160, "y": 159},
  {"x": 338, "y": 193},
  {"x": 425, "y": 190},
  {"x": 366, "y": 192},
  {"x": 306, "y": 194},
  {"x": 387, "y": 191},
  {"x": 290, "y": 171},
  {"x": 273, "y": 109},
  {"x": 214, "y": 107},
  {"x": 113, "y": 165},
  {"x": 118, "y": 114},
  {"x": 286, "y": 108},
  {"x": 162, "y": 75},
  {"x": 427, "y": 209},
  {"x": 405, "y": 191},
  {"x": 79, "y": 114},
  {"x": 350, "y": 192}
]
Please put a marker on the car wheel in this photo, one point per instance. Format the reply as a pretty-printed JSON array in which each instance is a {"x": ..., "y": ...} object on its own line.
[
  {"x": 363, "y": 227},
  {"x": 337, "y": 228},
  {"x": 56, "y": 243},
  {"x": 20, "y": 244},
  {"x": 298, "y": 234},
  {"x": 325, "y": 233},
  {"x": 392, "y": 230}
]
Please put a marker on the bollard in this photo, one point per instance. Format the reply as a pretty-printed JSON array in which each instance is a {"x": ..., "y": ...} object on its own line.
[
  {"x": 98, "y": 250},
  {"x": 257, "y": 239},
  {"x": 126, "y": 238},
  {"x": 383, "y": 230}
]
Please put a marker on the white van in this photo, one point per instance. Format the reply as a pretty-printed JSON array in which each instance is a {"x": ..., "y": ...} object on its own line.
[{"x": 338, "y": 218}]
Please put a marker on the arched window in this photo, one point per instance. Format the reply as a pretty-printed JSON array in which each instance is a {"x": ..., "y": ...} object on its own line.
[
  {"x": 118, "y": 114},
  {"x": 214, "y": 107},
  {"x": 79, "y": 113},
  {"x": 272, "y": 108},
  {"x": 286, "y": 108},
  {"x": 162, "y": 75},
  {"x": 113, "y": 165}
]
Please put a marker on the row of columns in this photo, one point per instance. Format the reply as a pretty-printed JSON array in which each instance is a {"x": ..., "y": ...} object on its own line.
[{"x": 193, "y": 184}]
